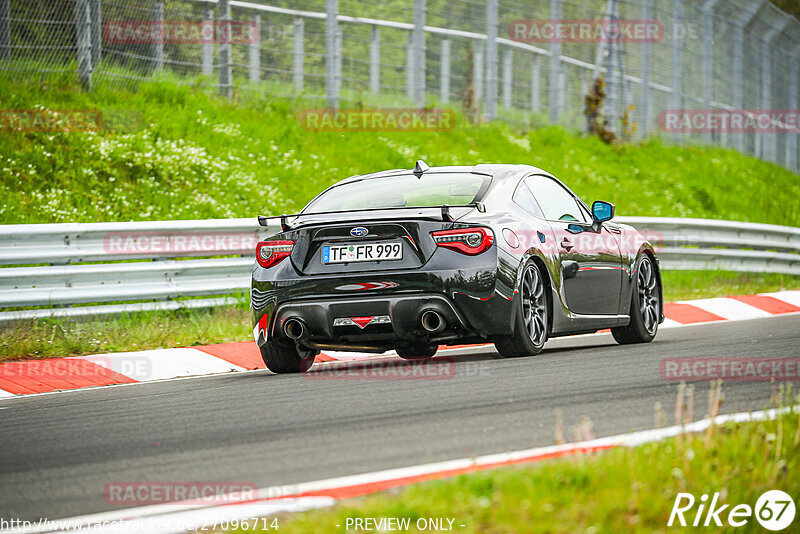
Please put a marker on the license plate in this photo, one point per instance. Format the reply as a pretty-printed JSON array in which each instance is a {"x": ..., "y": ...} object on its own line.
[{"x": 357, "y": 252}]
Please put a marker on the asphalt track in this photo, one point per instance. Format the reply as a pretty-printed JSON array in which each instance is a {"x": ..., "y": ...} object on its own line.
[{"x": 58, "y": 451}]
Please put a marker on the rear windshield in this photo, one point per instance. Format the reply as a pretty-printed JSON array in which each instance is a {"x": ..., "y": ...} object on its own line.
[{"x": 432, "y": 189}]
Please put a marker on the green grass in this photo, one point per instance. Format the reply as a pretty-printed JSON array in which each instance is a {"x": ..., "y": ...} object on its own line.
[
  {"x": 198, "y": 156},
  {"x": 621, "y": 490}
]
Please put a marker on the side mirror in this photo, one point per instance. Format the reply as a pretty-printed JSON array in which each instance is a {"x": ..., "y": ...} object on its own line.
[{"x": 602, "y": 211}]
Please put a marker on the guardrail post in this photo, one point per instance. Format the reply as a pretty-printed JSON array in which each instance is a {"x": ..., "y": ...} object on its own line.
[
  {"x": 738, "y": 63},
  {"x": 84, "y": 45},
  {"x": 477, "y": 71},
  {"x": 207, "y": 46},
  {"x": 255, "y": 52},
  {"x": 508, "y": 55},
  {"x": 158, "y": 44},
  {"x": 96, "y": 15},
  {"x": 298, "y": 55},
  {"x": 331, "y": 25},
  {"x": 225, "y": 60},
  {"x": 767, "y": 143},
  {"x": 676, "y": 97},
  {"x": 418, "y": 34},
  {"x": 535, "y": 85},
  {"x": 645, "y": 109},
  {"x": 792, "y": 140},
  {"x": 491, "y": 59},
  {"x": 375, "y": 60},
  {"x": 554, "y": 88},
  {"x": 444, "y": 72},
  {"x": 5, "y": 29}
]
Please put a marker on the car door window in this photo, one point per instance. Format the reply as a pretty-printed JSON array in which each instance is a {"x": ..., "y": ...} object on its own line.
[
  {"x": 524, "y": 198},
  {"x": 557, "y": 203}
]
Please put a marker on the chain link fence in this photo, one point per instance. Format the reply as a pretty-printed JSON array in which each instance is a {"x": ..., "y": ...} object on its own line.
[{"x": 713, "y": 71}]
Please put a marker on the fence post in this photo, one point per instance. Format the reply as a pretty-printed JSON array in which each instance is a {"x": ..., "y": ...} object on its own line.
[
  {"x": 491, "y": 59},
  {"x": 418, "y": 48},
  {"x": 339, "y": 55},
  {"x": 5, "y": 28},
  {"x": 554, "y": 90},
  {"x": 507, "y": 79},
  {"x": 708, "y": 69},
  {"x": 410, "y": 68},
  {"x": 676, "y": 97},
  {"x": 535, "y": 84},
  {"x": 477, "y": 71},
  {"x": 444, "y": 72},
  {"x": 225, "y": 62},
  {"x": 207, "y": 46},
  {"x": 158, "y": 44},
  {"x": 645, "y": 108},
  {"x": 766, "y": 143},
  {"x": 97, "y": 31},
  {"x": 298, "y": 55},
  {"x": 375, "y": 60},
  {"x": 84, "y": 46},
  {"x": 331, "y": 24},
  {"x": 255, "y": 52},
  {"x": 793, "y": 139},
  {"x": 738, "y": 63}
]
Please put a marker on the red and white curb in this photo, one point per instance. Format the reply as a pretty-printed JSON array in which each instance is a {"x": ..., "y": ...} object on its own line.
[
  {"x": 60, "y": 374},
  {"x": 189, "y": 515}
]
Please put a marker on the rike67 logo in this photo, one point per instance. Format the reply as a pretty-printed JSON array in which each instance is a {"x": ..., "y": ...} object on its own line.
[{"x": 774, "y": 510}]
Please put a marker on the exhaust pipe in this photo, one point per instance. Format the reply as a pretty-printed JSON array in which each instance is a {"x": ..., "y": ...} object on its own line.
[
  {"x": 432, "y": 321},
  {"x": 294, "y": 329}
]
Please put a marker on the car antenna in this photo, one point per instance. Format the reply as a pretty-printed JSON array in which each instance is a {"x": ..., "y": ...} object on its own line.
[{"x": 420, "y": 168}]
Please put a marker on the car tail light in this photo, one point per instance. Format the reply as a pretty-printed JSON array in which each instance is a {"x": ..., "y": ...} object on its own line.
[
  {"x": 469, "y": 241},
  {"x": 269, "y": 253}
]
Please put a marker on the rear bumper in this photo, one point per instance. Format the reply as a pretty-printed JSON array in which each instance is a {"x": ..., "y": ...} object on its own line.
[{"x": 404, "y": 313}]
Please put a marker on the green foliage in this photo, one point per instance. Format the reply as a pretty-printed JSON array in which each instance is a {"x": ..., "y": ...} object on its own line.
[{"x": 197, "y": 156}]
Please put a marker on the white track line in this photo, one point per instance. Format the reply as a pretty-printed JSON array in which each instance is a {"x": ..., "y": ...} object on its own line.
[{"x": 180, "y": 517}]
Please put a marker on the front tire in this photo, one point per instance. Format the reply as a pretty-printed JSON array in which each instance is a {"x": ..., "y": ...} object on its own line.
[
  {"x": 645, "y": 306},
  {"x": 280, "y": 358},
  {"x": 532, "y": 317}
]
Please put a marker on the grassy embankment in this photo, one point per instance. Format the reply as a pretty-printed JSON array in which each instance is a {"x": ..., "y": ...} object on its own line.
[{"x": 194, "y": 155}]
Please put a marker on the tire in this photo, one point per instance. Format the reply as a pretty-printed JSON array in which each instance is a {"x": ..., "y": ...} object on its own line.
[
  {"x": 645, "y": 306},
  {"x": 281, "y": 358},
  {"x": 419, "y": 351},
  {"x": 532, "y": 317}
]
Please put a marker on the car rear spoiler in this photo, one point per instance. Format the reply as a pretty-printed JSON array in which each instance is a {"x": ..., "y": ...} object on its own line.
[{"x": 263, "y": 220}]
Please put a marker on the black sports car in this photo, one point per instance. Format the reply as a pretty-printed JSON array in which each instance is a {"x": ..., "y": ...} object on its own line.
[{"x": 413, "y": 259}]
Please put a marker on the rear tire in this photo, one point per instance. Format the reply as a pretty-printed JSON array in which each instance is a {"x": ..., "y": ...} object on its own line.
[
  {"x": 532, "y": 317},
  {"x": 645, "y": 306},
  {"x": 280, "y": 358},
  {"x": 419, "y": 351}
]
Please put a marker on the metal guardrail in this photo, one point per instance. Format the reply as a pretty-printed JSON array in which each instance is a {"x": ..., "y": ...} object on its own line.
[{"x": 63, "y": 265}]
